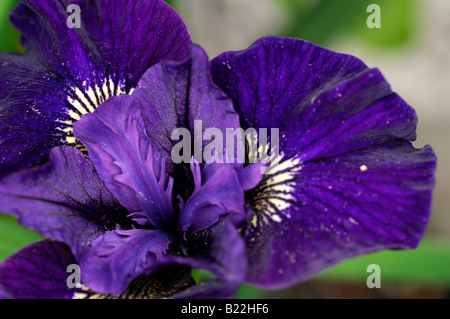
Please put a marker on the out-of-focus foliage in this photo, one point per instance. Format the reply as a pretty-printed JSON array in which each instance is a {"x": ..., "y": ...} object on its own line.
[
  {"x": 13, "y": 237},
  {"x": 9, "y": 37},
  {"x": 322, "y": 20}
]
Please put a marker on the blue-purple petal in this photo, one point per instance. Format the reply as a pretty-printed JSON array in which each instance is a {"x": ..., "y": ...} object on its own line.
[
  {"x": 335, "y": 208},
  {"x": 33, "y": 111},
  {"x": 173, "y": 95},
  {"x": 348, "y": 180},
  {"x": 38, "y": 271},
  {"x": 119, "y": 256},
  {"x": 219, "y": 249},
  {"x": 63, "y": 199},
  {"x": 323, "y": 103},
  {"x": 117, "y": 40},
  {"x": 213, "y": 289},
  {"x": 217, "y": 193},
  {"x": 127, "y": 162}
]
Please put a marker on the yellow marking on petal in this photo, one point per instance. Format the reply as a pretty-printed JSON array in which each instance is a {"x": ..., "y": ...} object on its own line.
[
  {"x": 78, "y": 106},
  {"x": 111, "y": 86},
  {"x": 363, "y": 168},
  {"x": 279, "y": 203},
  {"x": 290, "y": 164},
  {"x": 65, "y": 130},
  {"x": 93, "y": 97},
  {"x": 85, "y": 102},
  {"x": 74, "y": 115},
  {"x": 100, "y": 96},
  {"x": 80, "y": 295},
  {"x": 254, "y": 220},
  {"x": 273, "y": 196},
  {"x": 276, "y": 218},
  {"x": 105, "y": 89},
  {"x": 71, "y": 140}
]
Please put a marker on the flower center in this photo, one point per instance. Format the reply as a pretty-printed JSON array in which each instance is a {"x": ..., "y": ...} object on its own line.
[
  {"x": 86, "y": 99},
  {"x": 273, "y": 195}
]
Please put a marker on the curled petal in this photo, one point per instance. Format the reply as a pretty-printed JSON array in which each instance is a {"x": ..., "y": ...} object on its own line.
[
  {"x": 127, "y": 162},
  {"x": 120, "y": 256},
  {"x": 181, "y": 96}
]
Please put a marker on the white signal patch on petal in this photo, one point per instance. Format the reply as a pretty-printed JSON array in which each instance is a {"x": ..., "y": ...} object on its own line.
[
  {"x": 85, "y": 100},
  {"x": 274, "y": 194}
]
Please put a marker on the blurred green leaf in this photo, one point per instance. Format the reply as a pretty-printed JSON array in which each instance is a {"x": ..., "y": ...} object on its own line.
[
  {"x": 13, "y": 237},
  {"x": 429, "y": 264},
  {"x": 323, "y": 20},
  {"x": 10, "y": 37},
  {"x": 399, "y": 24},
  {"x": 171, "y": 3}
]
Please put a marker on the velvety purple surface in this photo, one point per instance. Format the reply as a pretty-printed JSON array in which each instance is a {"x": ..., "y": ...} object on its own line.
[
  {"x": 37, "y": 272},
  {"x": 349, "y": 181}
]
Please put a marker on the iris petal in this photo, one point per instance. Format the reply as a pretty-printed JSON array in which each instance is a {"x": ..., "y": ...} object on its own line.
[
  {"x": 220, "y": 249},
  {"x": 348, "y": 181},
  {"x": 37, "y": 272},
  {"x": 125, "y": 159},
  {"x": 63, "y": 199},
  {"x": 174, "y": 95},
  {"x": 117, "y": 41},
  {"x": 119, "y": 256},
  {"x": 34, "y": 113},
  {"x": 218, "y": 192}
]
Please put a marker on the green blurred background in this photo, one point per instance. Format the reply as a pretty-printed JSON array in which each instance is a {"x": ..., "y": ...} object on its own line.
[{"x": 411, "y": 48}]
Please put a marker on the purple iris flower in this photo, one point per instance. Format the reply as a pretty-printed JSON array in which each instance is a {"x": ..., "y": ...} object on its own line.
[
  {"x": 347, "y": 180},
  {"x": 116, "y": 214}
]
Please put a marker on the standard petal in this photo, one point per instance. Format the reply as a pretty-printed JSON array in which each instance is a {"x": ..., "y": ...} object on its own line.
[
  {"x": 38, "y": 271},
  {"x": 63, "y": 199},
  {"x": 127, "y": 162},
  {"x": 182, "y": 95},
  {"x": 119, "y": 256},
  {"x": 217, "y": 192},
  {"x": 336, "y": 208}
]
